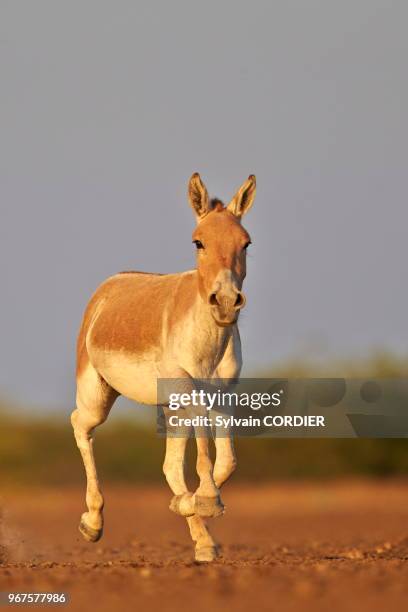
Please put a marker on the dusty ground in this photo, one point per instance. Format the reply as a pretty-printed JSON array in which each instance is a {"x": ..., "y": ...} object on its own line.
[{"x": 285, "y": 547}]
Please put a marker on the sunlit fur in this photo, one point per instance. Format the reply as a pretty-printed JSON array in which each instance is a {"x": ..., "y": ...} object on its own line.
[{"x": 139, "y": 327}]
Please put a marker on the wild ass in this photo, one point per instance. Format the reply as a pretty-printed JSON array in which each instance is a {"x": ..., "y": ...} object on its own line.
[{"x": 139, "y": 327}]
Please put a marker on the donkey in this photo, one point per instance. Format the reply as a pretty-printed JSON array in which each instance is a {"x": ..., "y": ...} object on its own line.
[{"x": 139, "y": 327}]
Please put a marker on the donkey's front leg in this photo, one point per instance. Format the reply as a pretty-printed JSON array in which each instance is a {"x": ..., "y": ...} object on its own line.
[
  {"x": 205, "y": 548},
  {"x": 207, "y": 496},
  {"x": 225, "y": 462},
  {"x": 183, "y": 501},
  {"x": 206, "y": 500},
  {"x": 173, "y": 468}
]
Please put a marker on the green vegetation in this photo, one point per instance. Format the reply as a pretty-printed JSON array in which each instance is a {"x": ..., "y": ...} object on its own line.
[
  {"x": 43, "y": 452},
  {"x": 40, "y": 451}
]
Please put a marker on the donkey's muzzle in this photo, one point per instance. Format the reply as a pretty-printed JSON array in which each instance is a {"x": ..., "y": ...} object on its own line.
[{"x": 226, "y": 306}]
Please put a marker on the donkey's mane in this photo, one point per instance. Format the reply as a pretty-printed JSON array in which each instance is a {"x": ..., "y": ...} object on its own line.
[{"x": 216, "y": 204}]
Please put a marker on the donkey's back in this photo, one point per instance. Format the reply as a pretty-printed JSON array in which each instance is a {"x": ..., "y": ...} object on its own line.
[{"x": 128, "y": 329}]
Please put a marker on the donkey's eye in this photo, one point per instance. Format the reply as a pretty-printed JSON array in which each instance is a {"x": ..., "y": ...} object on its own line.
[
  {"x": 246, "y": 245},
  {"x": 198, "y": 244}
]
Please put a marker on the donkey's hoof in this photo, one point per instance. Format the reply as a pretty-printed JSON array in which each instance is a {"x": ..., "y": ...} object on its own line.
[
  {"x": 89, "y": 533},
  {"x": 206, "y": 554},
  {"x": 208, "y": 507},
  {"x": 183, "y": 504}
]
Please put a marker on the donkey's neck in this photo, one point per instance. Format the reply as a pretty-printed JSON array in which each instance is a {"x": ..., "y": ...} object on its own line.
[
  {"x": 202, "y": 315},
  {"x": 208, "y": 340}
]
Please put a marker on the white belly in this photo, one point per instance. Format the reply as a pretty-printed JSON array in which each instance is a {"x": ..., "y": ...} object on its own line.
[{"x": 133, "y": 376}]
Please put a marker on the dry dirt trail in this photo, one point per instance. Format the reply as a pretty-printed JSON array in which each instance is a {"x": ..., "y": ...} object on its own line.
[{"x": 319, "y": 546}]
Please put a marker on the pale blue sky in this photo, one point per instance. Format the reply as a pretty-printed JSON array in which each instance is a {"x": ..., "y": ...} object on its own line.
[{"x": 108, "y": 107}]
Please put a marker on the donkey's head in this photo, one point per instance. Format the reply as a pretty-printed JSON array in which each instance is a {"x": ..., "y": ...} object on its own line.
[{"x": 221, "y": 244}]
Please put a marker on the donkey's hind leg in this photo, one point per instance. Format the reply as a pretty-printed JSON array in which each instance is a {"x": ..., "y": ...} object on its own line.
[{"x": 94, "y": 401}]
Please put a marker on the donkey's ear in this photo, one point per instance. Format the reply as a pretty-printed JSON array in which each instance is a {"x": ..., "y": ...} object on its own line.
[
  {"x": 198, "y": 196},
  {"x": 244, "y": 198}
]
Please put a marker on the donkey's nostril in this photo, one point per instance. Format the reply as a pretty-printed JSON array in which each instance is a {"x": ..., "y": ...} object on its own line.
[
  {"x": 213, "y": 299},
  {"x": 240, "y": 301}
]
